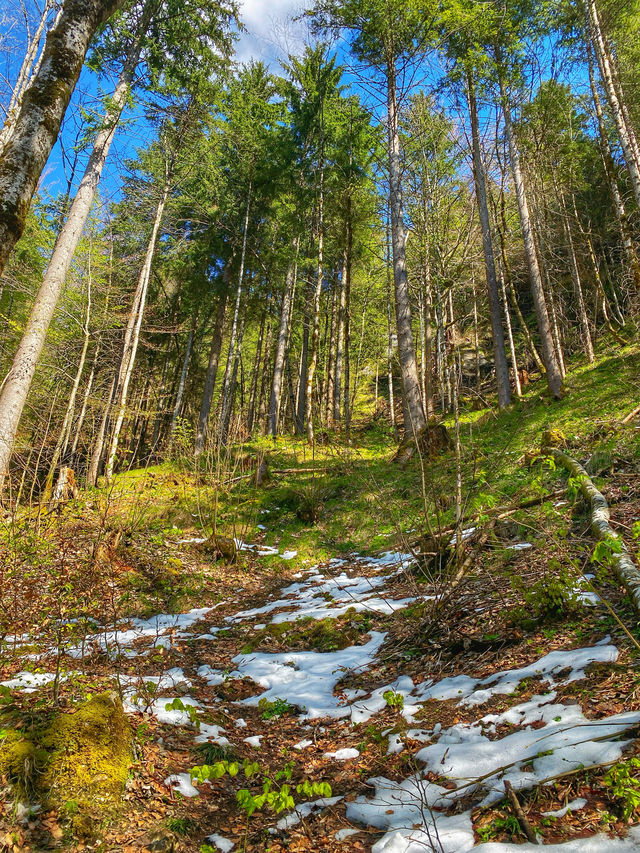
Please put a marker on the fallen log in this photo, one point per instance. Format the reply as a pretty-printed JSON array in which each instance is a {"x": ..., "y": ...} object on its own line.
[
  {"x": 625, "y": 569},
  {"x": 631, "y": 415}
]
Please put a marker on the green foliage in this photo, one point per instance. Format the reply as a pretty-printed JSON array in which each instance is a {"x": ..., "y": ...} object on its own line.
[
  {"x": 553, "y": 596},
  {"x": 497, "y": 827},
  {"x": 278, "y": 708},
  {"x": 182, "y": 825},
  {"x": 393, "y": 699},
  {"x": 606, "y": 550},
  {"x": 624, "y": 785},
  {"x": 275, "y": 794},
  {"x": 192, "y": 712}
]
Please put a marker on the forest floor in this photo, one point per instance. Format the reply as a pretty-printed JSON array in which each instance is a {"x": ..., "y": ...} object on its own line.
[{"x": 389, "y": 697}]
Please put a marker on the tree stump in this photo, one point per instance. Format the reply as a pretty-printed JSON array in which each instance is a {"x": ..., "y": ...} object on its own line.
[
  {"x": 66, "y": 487},
  {"x": 433, "y": 440},
  {"x": 222, "y": 547}
]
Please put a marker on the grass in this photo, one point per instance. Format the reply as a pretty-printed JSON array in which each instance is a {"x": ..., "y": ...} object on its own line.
[{"x": 364, "y": 501}]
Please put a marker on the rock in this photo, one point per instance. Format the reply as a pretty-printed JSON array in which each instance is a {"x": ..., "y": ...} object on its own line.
[
  {"x": 552, "y": 438},
  {"x": 506, "y": 530},
  {"x": 82, "y": 757},
  {"x": 158, "y": 841},
  {"x": 222, "y": 547}
]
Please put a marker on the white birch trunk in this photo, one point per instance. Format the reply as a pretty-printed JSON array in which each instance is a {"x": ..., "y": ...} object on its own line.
[{"x": 132, "y": 333}]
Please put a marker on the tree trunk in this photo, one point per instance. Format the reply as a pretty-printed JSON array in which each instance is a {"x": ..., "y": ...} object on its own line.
[
  {"x": 226, "y": 385},
  {"x": 132, "y": 333},
  {"x": 554, "y": 376},
  {"x": 512, "y": 346},
  {"x": 428, "y": 400},
  {"x": 330, "y": 390},
  {"x": 625, "y": 131},
  {"x": 18, "y": 382},
  {"x": 406, "y": 349},
  {"x": 610, "y": 169},
  {"x": 301, "y": 392},
  {"x": 262, "y": 401},
  {"x": 499, "y": 355},
  {"x": 63, "y": 438},
  {"x": 347, "y": 334},
  {"x": 37, "y": 124},
  {"x": 183, "y": 375},
  {"x": 585, "y": 331},
  {"x": 508, "y": 279},
  {"x": 281, "y": 346},
  {"x": 257, "y": 371},
  {"x": 392, "y": 403},
  {"x": 225, "y": 416},
  {"x": 342, "y": 319},
  {"x": 28, "y": 70},
  {"x": 315, "y": 315},
  {"x": 212, "y": 365},
  {"x": 96, "y": 457}
]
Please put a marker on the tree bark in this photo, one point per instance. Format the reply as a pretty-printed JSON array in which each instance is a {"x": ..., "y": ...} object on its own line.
[
  {"x": 512, "y": 346},
  {"x": 28, "y": 70},
  {"x": 330, "y": 390},
  {"x": 342, "y": 319},
  {"x": 96, "y": 457},
  {"x": 63, "y": 438},
  {"x": 183, "y": 375},
  {"x": 18, "y": 382},
  {"x": 132, "y": 333},
  {"x": 212, "y": 365},
  {"x": 225, "y": 416},
  {"x": 257, "y": 365},
  {"x": 315, "y": 315},
  {"x": 585, "y": 331},
  {"x": 37, "y": 124},
  {"x": 553, "y": 374},
  {"x": 625, "y": 131},
  {"x": 406, "y": 349},
  {"x": 610, "y": 169},
  {"x": 226, "y": 384},
  {"x": 499, "y": 354},
  {"x": 281, "y": 347}
]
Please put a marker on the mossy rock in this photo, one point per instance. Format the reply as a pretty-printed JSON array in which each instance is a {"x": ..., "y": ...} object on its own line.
[
  {"x": 22, "y": 762},
  {"x": 77, "y": 763},
  {"x": 222, "y": 547},
  {"x": 552, "y": 438}
]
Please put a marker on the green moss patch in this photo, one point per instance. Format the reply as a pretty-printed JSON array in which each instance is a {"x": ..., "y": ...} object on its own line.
[{"x": 76, "y": 763}]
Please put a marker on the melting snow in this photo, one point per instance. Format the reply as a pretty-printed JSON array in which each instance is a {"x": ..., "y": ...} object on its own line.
[
  {"x": 182, "y": 782},
  {"x": 222, "y": 843},
  {"x": 573, "y": 806},
  {"x": 306, "y": 679},
  {"x": 343, "y": 754}
]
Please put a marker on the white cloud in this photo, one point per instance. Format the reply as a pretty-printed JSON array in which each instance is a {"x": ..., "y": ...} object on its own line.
[{"x": 272, "y": 33}]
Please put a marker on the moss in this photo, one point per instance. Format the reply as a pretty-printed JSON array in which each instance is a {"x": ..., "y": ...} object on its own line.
[
  {"x": 76, "y": 763},
  {"x": 22, "y": 762}
]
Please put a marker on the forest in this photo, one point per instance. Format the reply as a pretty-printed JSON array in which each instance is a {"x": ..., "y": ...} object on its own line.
[{"x": 320, "y": 425}]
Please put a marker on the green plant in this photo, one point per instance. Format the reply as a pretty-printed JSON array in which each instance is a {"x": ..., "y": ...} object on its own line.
[
  {"x": 551, "y": 597},
  {"x": 278, "y": 708},
  {"x": 498, "y": 826},
  {"x": 190, "y": 710},
  {"x": 275, "y": 794},
  {"x": 605, "y": 551},
  {"x": 393, "y": 699},
  {"x": 624, "y": 785},
  {"x": 181, "y": 825}
]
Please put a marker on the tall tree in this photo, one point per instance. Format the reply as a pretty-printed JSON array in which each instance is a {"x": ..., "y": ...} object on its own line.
[{"x": 387, "y": 35}]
